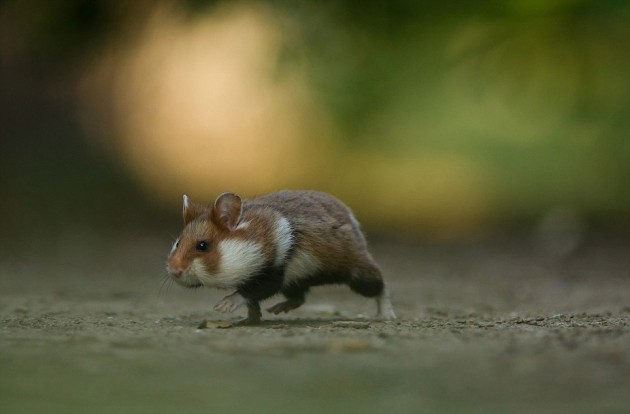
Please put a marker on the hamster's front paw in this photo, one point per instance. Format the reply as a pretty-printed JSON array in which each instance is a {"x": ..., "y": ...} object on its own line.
[{"x": 230, "y": 303}]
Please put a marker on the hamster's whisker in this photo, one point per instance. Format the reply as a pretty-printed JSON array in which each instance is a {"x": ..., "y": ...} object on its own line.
[{"x": 165, "y": 285}]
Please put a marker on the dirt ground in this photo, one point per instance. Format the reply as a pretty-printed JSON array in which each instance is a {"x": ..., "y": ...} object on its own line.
[{"x": 485, "y": 327}]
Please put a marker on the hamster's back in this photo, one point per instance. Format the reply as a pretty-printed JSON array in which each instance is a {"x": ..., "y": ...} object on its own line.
[
  {"x": 321, "y": 223},
  {"x": 304, "y": 206}
]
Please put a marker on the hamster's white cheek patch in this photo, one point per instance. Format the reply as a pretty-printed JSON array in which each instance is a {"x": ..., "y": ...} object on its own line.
[
  {"x": 196, "y": 272},
  {"x": 240, "y": 260}
]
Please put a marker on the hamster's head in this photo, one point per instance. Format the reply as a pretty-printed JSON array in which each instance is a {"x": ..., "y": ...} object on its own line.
[{"x": 197, "y": 256}]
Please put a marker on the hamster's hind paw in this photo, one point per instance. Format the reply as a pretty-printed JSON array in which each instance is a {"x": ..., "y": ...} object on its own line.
[{"x": 285, "y": 306}]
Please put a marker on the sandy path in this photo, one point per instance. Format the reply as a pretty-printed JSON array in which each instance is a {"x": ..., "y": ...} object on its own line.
[{"x": 494, "y": 327}]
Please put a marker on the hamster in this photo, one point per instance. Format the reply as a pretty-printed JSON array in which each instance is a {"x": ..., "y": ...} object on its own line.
[{"x": 283, "y": 242}]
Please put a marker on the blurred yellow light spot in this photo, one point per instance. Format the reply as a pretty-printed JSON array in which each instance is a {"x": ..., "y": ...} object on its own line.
[{"x": 198, "y": 108}]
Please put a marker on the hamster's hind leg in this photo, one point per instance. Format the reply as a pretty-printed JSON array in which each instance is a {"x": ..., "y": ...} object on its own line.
[
  {"x": 367, "y": 281},
  {"x": 294, "y": 300}
]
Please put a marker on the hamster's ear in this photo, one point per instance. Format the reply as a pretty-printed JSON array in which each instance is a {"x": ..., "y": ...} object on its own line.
[
  {"x": 226, "y": 211},
  {"x": 191, "y": 210}
]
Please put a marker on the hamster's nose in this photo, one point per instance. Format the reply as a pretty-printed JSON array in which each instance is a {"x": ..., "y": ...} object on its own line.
[{"x": 177, "y": 273}]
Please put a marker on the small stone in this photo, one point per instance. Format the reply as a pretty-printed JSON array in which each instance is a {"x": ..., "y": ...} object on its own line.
[{"x": 207, "y": 324}]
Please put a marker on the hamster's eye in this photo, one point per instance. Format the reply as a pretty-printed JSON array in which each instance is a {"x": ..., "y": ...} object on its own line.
[
  {"x": 177, "y": 244},
  {"x": 202, "y": 246}
]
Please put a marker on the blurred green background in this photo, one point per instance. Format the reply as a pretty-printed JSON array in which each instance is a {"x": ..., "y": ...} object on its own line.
[{"x": 430, "y": 119}]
